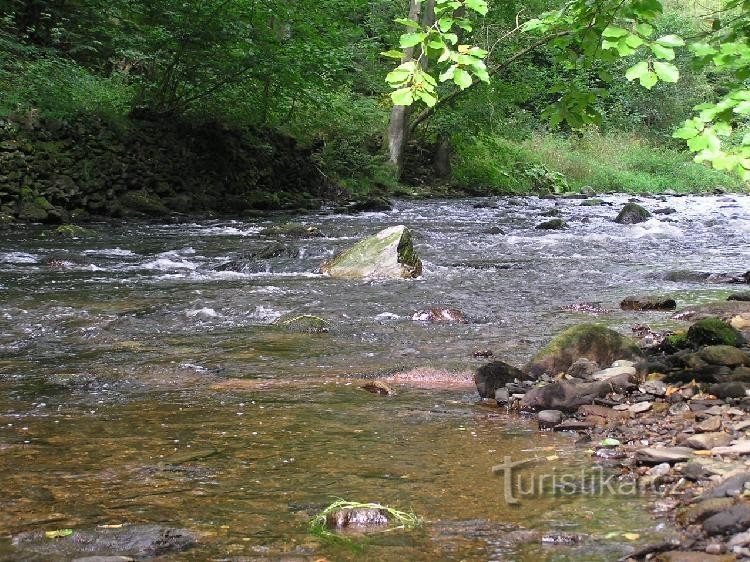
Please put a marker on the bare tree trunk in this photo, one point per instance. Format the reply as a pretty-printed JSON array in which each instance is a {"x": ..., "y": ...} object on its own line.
[{"x": 397, "y": 130}]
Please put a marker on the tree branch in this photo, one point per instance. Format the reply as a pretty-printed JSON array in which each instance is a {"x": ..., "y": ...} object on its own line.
[{"x": 429, "y": 111}]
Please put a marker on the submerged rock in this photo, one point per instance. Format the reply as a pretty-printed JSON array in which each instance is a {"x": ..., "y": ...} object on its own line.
[
  {"x": 140, "y": 541},
  {"x": 648, "y": 303},
  {"x": 564, "y": 395},
  {"x": 303, "y": 323},
  {"x": 440, "y": 315},
  {"x": 632, "y": 213},
  {"x": 389, "y": 254},
  {"x": 292, "y": 230},
  {"x": 592, "y": 341}
]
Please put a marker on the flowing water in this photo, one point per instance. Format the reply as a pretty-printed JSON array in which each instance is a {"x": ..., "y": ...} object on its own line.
[{"x": 140, "y": 381}]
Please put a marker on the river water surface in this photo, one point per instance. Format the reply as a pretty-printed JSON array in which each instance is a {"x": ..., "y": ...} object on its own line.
[{"x": 140, "y": 383}]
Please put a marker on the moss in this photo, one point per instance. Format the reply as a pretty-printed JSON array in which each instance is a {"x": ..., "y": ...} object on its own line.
[
  {"x": 306, "y": 323},
  {"x": 407, "y": 255},
  {"x": 143, "y": 202},
  {"x": 714, "y": 331},
  {"x": 292, "y": 230},
  {"x": 73, "y": 231},
  {"x": 677, "y": 341}
]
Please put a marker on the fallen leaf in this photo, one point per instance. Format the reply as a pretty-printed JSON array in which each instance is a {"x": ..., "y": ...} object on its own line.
[{"x": 631, "y": 536}]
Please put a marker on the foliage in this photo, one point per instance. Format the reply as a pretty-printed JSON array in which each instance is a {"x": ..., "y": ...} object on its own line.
[{"x": 604, "y": 162}]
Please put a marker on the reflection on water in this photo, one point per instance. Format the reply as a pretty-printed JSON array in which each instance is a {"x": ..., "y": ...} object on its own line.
[{"x": 119, "y": 357}]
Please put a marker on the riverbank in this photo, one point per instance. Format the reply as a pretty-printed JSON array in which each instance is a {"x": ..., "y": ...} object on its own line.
[{"x": 90, "y": 167}]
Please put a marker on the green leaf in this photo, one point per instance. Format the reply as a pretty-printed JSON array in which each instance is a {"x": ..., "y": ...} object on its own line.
[
  {"x": 393, "y": 54},
  {"x": 636, "y": 71},
  {"x": 479, "y": 6},
  {"x": 464, "y": 24},
  {"x": 685, "y": 133},
  {"x": 402, "y": 97},
  {"x": 436, "y": 44},
  {"x": 644, "y": 29},
  {"x": 648, "y": 80},
  {"x": 666, "y": 72},
  {"x": 452, "y": 38},
  {"x": 446, "y": 54},
  {"x": 671, "y": 41},
  {"x": 58, "y": 533},
  {"x": 410, "y": 39},
  {"x": 407, "y": 22},
  {"x": 702, "y": 49},
  {"x": 633, "y": 41},
  {"x": 697, "y": 143},
  {"x": 427, "y": 98},
  {"x": 481, "y": 74},
  {"x": 613, "y": 32},
  {"x": 445, "y": 24},
  {"x": 722, "y": 129},
  {"x": 448, "y": 74},
  {"x": 398, "y": 76},
  {"x": 743, "y": 108},
  {"x": 662, "y": 52},
  {"x": 462, "y": 78}
]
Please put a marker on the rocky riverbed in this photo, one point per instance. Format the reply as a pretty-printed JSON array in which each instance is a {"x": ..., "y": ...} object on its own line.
[{"x": 672, "y": 418}]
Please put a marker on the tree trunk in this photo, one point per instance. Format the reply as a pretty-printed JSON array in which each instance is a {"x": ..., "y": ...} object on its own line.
[
  {"x": 397, "y": 129},
  {"x": 441, "y": 162}
]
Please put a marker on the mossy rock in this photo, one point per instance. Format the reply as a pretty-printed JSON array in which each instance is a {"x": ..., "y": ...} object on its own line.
[
  {"x": 592, "y": 203},
  {"x": 292, "y": 230},
  {"x": 677, "y": 341},
  {"x": 714, "y": 331},
  {"x": 29, "y": 210},
  {"x": 554, "y": 224},
  {"x": 73, "y": 231},
  {"x": 306, "y": 323},
  {"x": 632, "y": 213},
  {"x": 592, "y": 341},
  {"x": 389, "y": 254},
  {"x": 143, "y": 203}
]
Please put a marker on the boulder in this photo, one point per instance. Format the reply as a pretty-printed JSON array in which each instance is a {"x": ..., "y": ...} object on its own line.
[
  {"x": 554, "y": 224},
  {"x": 709, "y": 440},
  {"x": 733, "y": 520},
  {"x": 496, "y": 375},
  {"x": 648, "y": 303},
  {"x": 632, "y": 213},
  {"x": 564, "y": 395},
  {"x": 724, "y": 390},
  {"x": 370, "y": 205},
  {"x": 549, "y": 418},
  {"x": 713, "y": 331},
  {"x": 389, "y": 254},
  {"x": 582, "y": 368},
  {"x": 592, "y": 341},
  {"x": 726, "y": 355},
  {"x": 744, "y": 296},
  {"x": 658, "y": 455}
]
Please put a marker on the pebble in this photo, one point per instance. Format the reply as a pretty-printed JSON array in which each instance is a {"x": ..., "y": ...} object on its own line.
[{"x": 640, "y": 407}]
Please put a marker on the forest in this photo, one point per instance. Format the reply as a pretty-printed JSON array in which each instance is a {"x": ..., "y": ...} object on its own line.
[{"x": 557, "y": 110}]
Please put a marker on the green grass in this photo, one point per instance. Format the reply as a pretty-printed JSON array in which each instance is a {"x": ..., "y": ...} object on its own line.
[
  {"x": 319, "y": 523},
  {"x": 604, "y": 162}
]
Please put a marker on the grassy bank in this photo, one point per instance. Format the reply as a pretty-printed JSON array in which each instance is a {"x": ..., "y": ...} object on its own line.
[{"x": 604, "y": 162}]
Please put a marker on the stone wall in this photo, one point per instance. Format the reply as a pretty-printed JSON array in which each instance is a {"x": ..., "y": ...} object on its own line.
[{"x": 56, "y": 171}]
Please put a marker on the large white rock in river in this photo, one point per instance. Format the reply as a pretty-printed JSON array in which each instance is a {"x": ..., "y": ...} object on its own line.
[{"x": 389, "y": 254}]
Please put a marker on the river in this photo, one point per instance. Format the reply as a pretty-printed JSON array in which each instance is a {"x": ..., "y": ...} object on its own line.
[{"x": 142, "y": 382}]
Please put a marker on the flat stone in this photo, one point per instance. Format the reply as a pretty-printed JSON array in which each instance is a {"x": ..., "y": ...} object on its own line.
[
  {"x": 740, "y": 539},
  {"x": 623, "y": 363},
  {"x": 741, "y": 426},
  {"x": 702, "y": 510},
  {"x": 574, "y": 425},
  {"x": 685, "y": 556},
  {"x": 712, "y": 423},
  {"x": 732, "y": 486},
  {"x": 709, "y": 440},
  {"x": 733, "y": 520},
  {"x": 739, "y": 447},
  {"x": 658, "y": 455},
  {"x": 657, "y": 388},
  {"x": 640, "y": 407},
  {"x": 611, "y": 372}
]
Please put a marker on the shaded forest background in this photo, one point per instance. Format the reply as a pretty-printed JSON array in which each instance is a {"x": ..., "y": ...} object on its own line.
[{"x": 308, "y": 75}]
